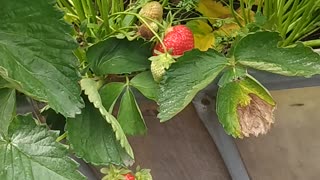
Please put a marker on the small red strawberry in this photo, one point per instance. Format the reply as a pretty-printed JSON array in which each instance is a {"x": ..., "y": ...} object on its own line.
[
  {"x": 177, "y": 40},
  {"x": 129, "y": 176}
]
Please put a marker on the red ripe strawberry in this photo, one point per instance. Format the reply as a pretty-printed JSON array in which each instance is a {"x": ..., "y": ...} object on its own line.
[
  {"x": 129, "y": 176},
  {"x": 177, "y": 40}
]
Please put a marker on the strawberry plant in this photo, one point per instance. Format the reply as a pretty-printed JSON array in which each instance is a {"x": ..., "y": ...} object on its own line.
[{"x": 81, "y": 63}]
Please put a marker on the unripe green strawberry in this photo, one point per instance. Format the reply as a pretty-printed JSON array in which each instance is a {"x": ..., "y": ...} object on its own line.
[
  {"x": 152, "y": 10},
  {"x": 157, "y": 71},
  {"x": 159, "y": 65},
  {"x": 177, "y": 40}
]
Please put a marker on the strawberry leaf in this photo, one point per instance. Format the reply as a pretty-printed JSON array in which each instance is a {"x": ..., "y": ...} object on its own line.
[
  {"x": 260, "y": 51},
  {"x": 146, "y": 85},
  {"x": 89, "y": 131},
  {"x": 7, "y": 108},
  {"x": 30, "y": 152},
  {"x": 36, "y": 54},
  {"x": 119, "y": 56},
  {"x": 244, "y": 107},
  {"x": 110, "y": 93},
  {"x": 191, "y": 73},
  {"x": 90, "y": 88},
  {"x": 129, "y": 115}
]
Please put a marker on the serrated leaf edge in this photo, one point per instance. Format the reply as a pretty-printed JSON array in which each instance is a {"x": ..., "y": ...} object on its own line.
[{"x": 120, "y": 136}]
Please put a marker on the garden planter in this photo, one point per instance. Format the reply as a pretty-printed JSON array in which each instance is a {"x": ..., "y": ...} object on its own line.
[
  {"x": 89, "y": 62},
  {"x": 205, "y": 107}
]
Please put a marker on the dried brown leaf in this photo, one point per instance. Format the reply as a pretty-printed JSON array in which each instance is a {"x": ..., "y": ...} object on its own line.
[{"x": 255, "y": 118}]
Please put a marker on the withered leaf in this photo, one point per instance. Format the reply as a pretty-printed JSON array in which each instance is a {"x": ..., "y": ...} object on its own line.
[{"x": 255, "y": 118}]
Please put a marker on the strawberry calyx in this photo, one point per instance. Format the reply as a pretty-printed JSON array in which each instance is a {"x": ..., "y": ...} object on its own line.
[{"x": 159, "y": 64}]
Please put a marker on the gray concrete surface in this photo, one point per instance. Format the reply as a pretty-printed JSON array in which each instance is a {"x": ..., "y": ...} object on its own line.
[{"x": 291, "y": 150}]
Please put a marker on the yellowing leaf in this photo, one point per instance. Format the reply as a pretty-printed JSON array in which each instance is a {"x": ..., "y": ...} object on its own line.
[
  {"x": 229, "y": 30},
  {"x": 203, "y": 34},
  {"x": 213, "y": 9}
]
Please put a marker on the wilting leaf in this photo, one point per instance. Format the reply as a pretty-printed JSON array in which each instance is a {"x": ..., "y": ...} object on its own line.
[
  {"x": 213, "y": 9},
  {"x": 245, "y": 107},
  {"x": 255, "y": 118},
  {"x": 203, "y": 34}
]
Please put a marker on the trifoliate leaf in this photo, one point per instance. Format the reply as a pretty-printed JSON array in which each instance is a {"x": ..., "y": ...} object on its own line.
[
  {"x": 90, "y": 88},
  {"x": 93, "y": 139}
]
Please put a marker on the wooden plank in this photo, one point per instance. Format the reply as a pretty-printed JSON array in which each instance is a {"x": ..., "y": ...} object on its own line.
[
  {"x": 180, "y": 149},
  {"x": 290, "y": 151}
]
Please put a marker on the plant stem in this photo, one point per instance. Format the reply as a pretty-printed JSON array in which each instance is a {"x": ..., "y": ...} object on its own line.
[
  {"x": 243, "y": 11},
  {"x": 312, "y": 43},
  {"x": 259, "y": 6},
  {"x": 105, "y": 14},
  {"x": 301, "y": 24},
  {"x": 60, "y": 138},
  {"x": 233, "y": 13},
  {"x": 79, "y": 9},
  {"x": 67, "y": 5},
  {"x": 288, "y": 21},
  {"x": 92, "y": 11}
]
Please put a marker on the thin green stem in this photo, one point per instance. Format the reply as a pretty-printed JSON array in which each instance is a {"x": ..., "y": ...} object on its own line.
[
  {"x": 68, "y": 6},
  {"x": 79, "y": 9},
  {"x": 105, "y": 14},
  {"x": 243, "y": 11},
  {"x": 85, "y": 8},
  {"x": 280, "y": 12},
  {"x": 233, "y": 13},
  {"x": 142, "y": 19},
  {"x": 301, "y": 24},
  {"x": 285, "y": 25},
  {"x": 92, "y": 11},
  {"x": 266, "y": 8},
  {"x": 312, "y": 43},
  {"x": 60, "y": 138}
]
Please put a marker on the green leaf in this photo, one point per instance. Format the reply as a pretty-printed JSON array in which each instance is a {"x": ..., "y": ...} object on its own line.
[
  {"x": 36, "y": 54},
  {"x": 232, "y": 74},
  {"x": 146, "y": 85},
  {"x": 185, "y": 78},
  {"x": 260, "y": 51},
  {"x": 7, "y": 108},
  {"x": 129, "y": 115},
  {"x": 89, "y": 131},
  {"x": 30, "y": 152},
  {"x": 239, "y": 94},
  {"x": 110, "y": 93},
  {"x": 119, "y": 56},
  {"x": 90, "y": 88}
]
